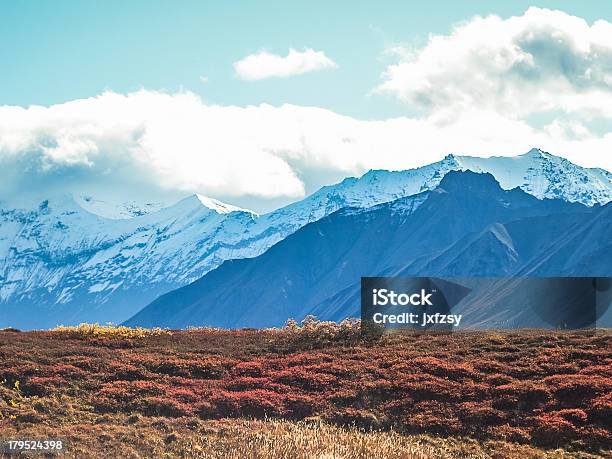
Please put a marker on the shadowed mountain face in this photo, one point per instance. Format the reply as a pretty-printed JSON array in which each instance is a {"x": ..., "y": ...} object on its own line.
[{"x": 468, "y": 226}]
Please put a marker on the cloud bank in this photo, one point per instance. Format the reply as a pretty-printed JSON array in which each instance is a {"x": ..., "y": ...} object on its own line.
[
  {"x": 156, "y": 142},
  {"x": 264, "y": 65},
  {"x": 541, "y": 61}
]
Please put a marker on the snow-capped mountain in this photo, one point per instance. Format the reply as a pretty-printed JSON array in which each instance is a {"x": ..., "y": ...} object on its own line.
[
  {"x": 74, "y": 259},
  {"x": 116, "y": 211},
  {"x": 467, "y": 227},
  {"x": 545, "y": 175},
  {"x": 536, "y": 172},
  {"x": 71, "y": 265}
]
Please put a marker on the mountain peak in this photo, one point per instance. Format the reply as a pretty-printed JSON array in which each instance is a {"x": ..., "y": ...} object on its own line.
[
  {"x": 451, "y": 160},
  {"x": 116, "y": 210},
  {"x": 218, "y": 206},
  {"x": 537, "y": 153},
  {"x": 468, "y": 180}
]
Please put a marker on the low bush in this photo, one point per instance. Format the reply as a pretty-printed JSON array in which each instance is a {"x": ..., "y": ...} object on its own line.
[{"x": 96, "y": 330}]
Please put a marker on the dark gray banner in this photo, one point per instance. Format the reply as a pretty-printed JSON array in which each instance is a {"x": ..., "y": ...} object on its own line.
[{"x": 429, "y": 303}]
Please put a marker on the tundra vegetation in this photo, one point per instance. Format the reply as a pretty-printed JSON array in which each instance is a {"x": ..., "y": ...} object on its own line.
[{"x": 315, "y": 389}]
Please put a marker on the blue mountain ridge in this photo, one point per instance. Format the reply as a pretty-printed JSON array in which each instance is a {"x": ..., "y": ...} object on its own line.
[{"x": 467, "y": 227}]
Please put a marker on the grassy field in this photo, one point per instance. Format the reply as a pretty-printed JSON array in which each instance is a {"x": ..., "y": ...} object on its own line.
[{"x": 312, "y": 391}]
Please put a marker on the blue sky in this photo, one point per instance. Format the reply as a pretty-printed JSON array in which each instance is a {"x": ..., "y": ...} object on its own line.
[
  {"x": 56, "y": 51},
  {"x": 261, "y": 103}
]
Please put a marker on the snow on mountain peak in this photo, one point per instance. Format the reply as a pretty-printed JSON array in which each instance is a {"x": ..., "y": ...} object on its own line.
[
  {"x": 535, "y": 152},
  {"x": 116, "y": 211},
  {"x": 133, "y": 209},
  {"x": 545, "y": 175},
  {"x": 218, "y": 206}
]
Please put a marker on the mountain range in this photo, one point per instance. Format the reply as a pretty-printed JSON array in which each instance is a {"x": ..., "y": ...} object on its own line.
[
  {"x": 72, "y": 259},
  {"x": 468, "y": 226}
]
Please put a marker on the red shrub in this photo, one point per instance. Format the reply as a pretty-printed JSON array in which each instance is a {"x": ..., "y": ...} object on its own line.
[
  {"x": 576, "y": 388},
  {"x": 256, "y": 403},
  {"x": 248, "y": 383},
  {"x": 67, "y": 371},
  {"x": 301, "y": 406},
  {"x": 443, "y": 368},
  {"x": 128, "y": 372},
  {"x": 509, "y": 433},
  {"x": 254, "y": 369},
  {"x": 83, "y": 362},
  {"x": 428, "y": 387},
  {"x": 40, "y": 385},
  {"x": 498, "y": 379},
  {"x": 304, "y": 379},
  {"x": 338, "y": 369},
  {"x": 205, "y": 368},
  {"x": 553, "y": 428},
  {"x": 162, "y": 406},
  {"x": 181, "y": 394},
  {"x": 528, "y": 393},
  {"x": 306, "y": 358},
  {"x": 601, "y": 408},
  {"x": 346, "y": 397},
  {"x": 600, "y": 370},
  {"x": 480, "y": 414},
  {"x": 434, "y": 417}
]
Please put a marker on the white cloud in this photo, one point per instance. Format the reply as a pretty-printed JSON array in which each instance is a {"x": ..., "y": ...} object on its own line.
[
  {"x": 542, "y": 61},
  {"x": 264, "y": 65},
  {"x": 149, "y": 142}
]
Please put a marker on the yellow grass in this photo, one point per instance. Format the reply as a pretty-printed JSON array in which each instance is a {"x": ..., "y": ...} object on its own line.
[
  {"x": 100, "y": 437},
  {"x": 96, "y": 330}
]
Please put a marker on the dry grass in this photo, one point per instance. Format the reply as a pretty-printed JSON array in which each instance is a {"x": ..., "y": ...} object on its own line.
[
  {"x": 96, "y": 330},
  {"x": 142, "y": 437}
]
